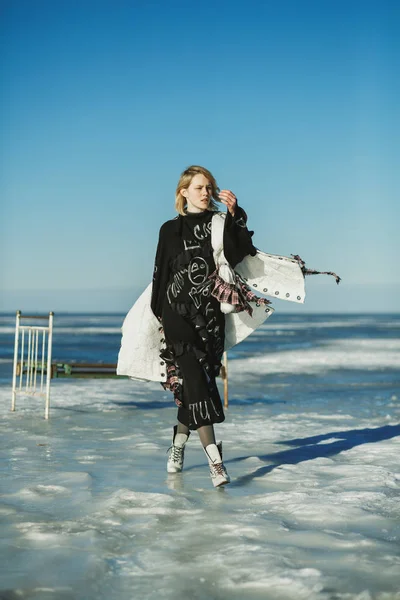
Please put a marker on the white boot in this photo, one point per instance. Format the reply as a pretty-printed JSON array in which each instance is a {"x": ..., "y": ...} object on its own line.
[
  {"x": 177, "y": 452},
  {"x": 218, "y": 473}
]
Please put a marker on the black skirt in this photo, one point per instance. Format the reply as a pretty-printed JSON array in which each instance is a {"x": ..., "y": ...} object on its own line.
[{"x": 195, "y": 345}]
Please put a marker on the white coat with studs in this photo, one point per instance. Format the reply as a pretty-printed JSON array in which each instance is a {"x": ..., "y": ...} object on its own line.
[{"x": 268, "y": 274}]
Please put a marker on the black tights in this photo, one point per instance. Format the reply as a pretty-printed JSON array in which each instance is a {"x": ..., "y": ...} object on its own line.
[{"x": 206, "y": 433}]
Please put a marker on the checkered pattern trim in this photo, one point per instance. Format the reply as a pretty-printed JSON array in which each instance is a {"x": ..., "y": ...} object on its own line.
[
  {"x": 238, "y": 294},
  {"x": 306, "y": 271}
]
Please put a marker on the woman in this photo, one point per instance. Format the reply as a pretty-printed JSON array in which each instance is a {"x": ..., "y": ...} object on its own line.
[
  {"x": 197, "y": 307},
  {"x": 191, "y": 317}
]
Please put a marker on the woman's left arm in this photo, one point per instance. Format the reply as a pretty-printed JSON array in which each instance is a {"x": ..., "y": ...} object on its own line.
[{"x": 237, "y": 238}]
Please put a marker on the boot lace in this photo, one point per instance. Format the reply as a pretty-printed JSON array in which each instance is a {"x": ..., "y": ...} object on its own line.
[
  {"x": 176, "y": 453},
  {"x": 219, "y": 469}
]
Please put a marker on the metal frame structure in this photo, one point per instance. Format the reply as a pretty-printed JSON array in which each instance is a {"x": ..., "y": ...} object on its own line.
[{"x": 30, "y": 359}]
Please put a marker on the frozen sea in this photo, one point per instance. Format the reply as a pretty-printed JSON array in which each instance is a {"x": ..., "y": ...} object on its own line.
[{"x": 311, "y": 441}]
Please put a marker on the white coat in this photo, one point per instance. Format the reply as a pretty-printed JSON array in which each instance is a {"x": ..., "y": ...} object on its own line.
[{"x": 269, "y": 274}]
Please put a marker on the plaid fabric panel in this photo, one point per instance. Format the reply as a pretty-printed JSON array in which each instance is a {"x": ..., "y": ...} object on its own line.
[
  {"x": 173, "y": 384},
  {"x": 238, "y": 294},
  {"x": 307, "y": 271}
]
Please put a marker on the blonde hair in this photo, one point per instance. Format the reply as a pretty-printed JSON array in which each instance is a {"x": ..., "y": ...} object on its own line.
[{"x": 184, "y": 182}]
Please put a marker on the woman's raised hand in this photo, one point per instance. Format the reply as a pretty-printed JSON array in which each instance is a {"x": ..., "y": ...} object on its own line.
[{"x": 229, "y": 199}]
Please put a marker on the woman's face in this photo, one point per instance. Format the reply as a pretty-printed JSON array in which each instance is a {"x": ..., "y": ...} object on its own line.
[{"x": 198, "y": 193}]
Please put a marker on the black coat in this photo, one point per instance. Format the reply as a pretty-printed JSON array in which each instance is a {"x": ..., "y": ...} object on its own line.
[{"x": 237, "y": 245}]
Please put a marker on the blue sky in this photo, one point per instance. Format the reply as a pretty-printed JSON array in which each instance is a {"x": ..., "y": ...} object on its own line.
[{"x": 293, "y": 105}]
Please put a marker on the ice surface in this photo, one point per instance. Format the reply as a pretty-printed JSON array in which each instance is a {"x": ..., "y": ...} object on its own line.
[
  {"x": 336, "y": 354},
  {"x": 313, "y": 511}
]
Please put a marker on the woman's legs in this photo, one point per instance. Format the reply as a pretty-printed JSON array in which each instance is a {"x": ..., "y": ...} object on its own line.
[
  {"x": 182, "y": 429},
  {"x": 177, "y": 449},
  {"x": 218, "y": 473},
  {"x": 179, "y": 439},
  {"x": 206, "y": 435}
]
